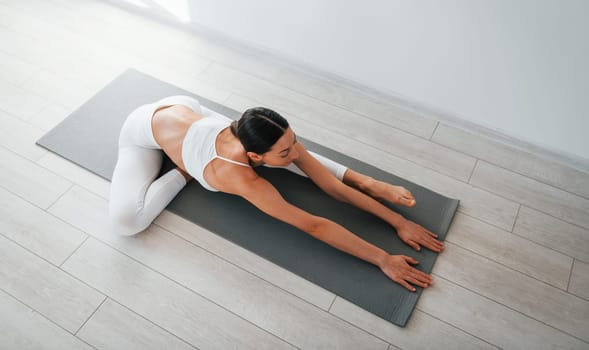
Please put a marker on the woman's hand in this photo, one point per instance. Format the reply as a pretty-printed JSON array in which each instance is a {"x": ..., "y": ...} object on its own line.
[
  {"x": 397, "y": 268},
  {"x": 416, "y": 235}
]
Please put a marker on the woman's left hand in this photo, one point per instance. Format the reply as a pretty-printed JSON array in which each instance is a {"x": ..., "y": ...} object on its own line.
[{"x": 416, "y": 236}]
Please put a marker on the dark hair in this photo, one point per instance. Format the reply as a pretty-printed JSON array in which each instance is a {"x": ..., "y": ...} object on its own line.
[{"x": 258, "y": 129}]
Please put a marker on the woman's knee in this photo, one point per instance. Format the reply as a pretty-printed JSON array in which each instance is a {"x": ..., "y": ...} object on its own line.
[{"x": 126, "y": 221}]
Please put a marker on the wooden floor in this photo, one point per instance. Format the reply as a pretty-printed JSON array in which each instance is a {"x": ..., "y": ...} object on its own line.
[{"x": 515, "y": 274}]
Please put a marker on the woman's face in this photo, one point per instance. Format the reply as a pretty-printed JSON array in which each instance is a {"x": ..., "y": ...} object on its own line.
[{"x": 283, "y": 152}]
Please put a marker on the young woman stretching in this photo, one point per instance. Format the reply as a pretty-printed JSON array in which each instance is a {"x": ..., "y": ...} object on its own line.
[{"x": 220, "y": 154}]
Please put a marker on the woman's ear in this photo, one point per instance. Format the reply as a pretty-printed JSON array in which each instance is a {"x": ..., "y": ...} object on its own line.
[{"x": 256, "y": 158}]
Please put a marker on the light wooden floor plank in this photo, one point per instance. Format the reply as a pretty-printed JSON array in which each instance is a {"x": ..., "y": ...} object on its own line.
[
  {"x": 19, "y": 137},
  {"x": 115, "y": 327},
  {"x": 20, "y": 102},
  {"x": 422, "y": 332},
  {"x": 25, "y": 329},
  {"x": 516, "y": 160},
  {"x": 548, "y": 199},
  {"x": 44, "y": 50},
  {"x": 64, "y": 91},
  {"x": 76, "y": 174},
  {"x": 50, "y": 116},
  {"x": 527, "y": 295},
  {"x": 103, "y": 13},
  {"x": 92, "y": 72},
  {"x": 166, "y": 303},
  {"x": 491, "y": 321},
  {"x": 270, "y": 308},
  {"x": 111, "y": 23},
  {"x": 14, "y": 70},
  {"x": 379, "y": 135},
  {"x": 52, "y": 23},
  {"x": 179, "y": 69},
  {"x": 511, "y": 250},
  {"x": 54, "y": 49},
  {"x": 133, "y": 40},
  {"x": 580, "y": 280},
  {"x": 42, "y": 286},
  {"x": 30, "y": 181},
  {"x": 37, "y": 231},
  {"x": 553, "y": 233},
  {"x": 71, "y": 23}
]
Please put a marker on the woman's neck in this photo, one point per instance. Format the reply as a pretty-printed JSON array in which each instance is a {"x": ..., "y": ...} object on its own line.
[{"x": 231, "y": 146}]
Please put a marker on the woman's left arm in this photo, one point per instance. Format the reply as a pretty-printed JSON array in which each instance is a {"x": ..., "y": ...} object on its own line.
[{"x": 410, "y": 232}]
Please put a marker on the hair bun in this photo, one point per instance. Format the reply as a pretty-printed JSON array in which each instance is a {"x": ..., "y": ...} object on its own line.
[{"x": 259, "y": 128}]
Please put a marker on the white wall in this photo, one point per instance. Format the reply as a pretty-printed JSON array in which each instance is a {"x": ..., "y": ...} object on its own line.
[{"x": 519, "y": 67}]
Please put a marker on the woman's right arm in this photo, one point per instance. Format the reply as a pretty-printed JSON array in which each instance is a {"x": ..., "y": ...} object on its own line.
[{"x": 265, "y": 197}]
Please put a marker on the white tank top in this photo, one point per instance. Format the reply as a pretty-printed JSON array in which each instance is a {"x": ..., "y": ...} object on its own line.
[{"x": 198, "y": 147}]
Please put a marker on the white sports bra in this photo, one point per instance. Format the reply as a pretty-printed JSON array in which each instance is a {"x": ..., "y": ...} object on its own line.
[{"x": 198, "y": 147}]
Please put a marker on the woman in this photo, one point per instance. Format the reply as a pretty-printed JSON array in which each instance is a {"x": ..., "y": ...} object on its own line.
[{"x": 220, "y": 154}]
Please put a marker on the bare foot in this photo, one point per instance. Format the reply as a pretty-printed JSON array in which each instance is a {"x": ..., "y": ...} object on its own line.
[{"x": 394, "y": 194}]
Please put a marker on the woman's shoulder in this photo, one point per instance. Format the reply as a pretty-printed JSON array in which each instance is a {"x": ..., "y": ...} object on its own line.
[{"x": 230, "y": 178}]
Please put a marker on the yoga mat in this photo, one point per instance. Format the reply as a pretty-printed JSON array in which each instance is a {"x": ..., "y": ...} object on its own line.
[{"x": 89, "y": 138}]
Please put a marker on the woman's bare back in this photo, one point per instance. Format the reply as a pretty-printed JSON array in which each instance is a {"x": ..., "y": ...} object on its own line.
[{"x": 169, "y": 125}]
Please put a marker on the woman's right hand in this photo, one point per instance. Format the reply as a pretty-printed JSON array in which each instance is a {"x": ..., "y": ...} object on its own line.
[{"x": 397, "y": 268}]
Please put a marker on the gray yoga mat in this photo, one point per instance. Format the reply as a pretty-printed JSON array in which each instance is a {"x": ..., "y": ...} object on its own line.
[{"x": 89, "y": 137}]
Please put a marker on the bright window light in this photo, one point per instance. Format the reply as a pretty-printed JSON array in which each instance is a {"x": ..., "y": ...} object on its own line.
[
  {"x": 138, "y": 3},
  {"x": 178, "y": 8}
]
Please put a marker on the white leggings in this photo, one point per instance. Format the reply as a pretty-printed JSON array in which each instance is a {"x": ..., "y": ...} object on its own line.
[{"x": 136, "y": 196}]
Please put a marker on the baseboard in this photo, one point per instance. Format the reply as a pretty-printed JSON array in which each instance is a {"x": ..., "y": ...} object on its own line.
[{"x": 272, "y": 57}]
